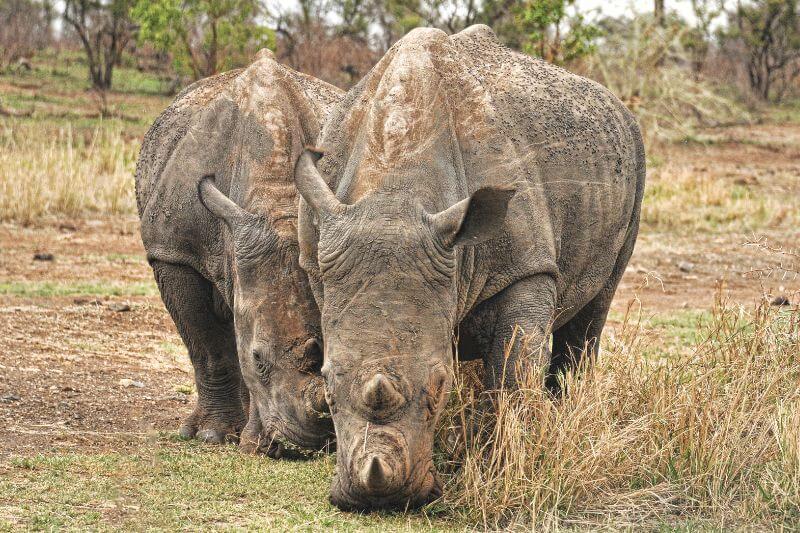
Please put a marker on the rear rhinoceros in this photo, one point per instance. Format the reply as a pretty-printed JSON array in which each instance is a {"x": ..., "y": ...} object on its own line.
[
  {"x": 465, "y": 189},
  {"x": 218, "y": 206}
]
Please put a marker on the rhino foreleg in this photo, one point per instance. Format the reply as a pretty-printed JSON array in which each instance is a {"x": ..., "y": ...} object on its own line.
[
  {"x": 219, "y": 414},
  {"x": 523, "y": 315}
]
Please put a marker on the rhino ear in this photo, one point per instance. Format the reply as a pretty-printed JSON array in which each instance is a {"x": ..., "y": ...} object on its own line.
[
  {"x": 475, "y": 219},
  {"x": 220, "y": 205},
  {"x": 312, "y": 187}
]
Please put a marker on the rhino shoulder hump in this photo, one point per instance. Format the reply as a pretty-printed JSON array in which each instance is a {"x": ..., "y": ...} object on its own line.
[{"x": 480, "y": 33}]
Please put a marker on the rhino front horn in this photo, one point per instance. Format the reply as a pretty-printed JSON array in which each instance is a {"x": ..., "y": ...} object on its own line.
[
  {"x": 380, "y": 394},
  {"x": 376, "y": 474}
]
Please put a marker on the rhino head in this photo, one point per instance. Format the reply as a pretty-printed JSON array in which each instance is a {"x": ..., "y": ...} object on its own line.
[
  {"x": 276, "y": 323},
  {"x": 389, "y": 279}
]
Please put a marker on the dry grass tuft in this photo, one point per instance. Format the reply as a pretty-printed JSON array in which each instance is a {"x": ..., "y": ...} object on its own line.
[
  {"x": 712, "y": 434},
  {"x": 47, "y": 169},
  {"x": 683, "y": 198}
]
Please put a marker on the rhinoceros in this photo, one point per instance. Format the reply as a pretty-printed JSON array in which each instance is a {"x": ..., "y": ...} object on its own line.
[
  {"x": 464, "y": 190},
  {"x": 218, "y": 209}
]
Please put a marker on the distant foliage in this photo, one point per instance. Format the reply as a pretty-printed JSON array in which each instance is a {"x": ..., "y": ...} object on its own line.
[
  {"x": 769, "y": 32},
  {"x": 551, "y": 29},
  {"x": 105, "y": 29},
  {"x": 204, "y": 36}
]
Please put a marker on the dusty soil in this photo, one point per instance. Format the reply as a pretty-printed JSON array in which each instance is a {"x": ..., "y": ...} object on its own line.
[{"x": 67, "y": 361}]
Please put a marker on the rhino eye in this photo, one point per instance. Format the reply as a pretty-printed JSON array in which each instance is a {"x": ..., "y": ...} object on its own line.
[
  {"x": 329, "y": 397},
  {"x": 435, "y": 394},
  {"x": 263, "y": 366}
]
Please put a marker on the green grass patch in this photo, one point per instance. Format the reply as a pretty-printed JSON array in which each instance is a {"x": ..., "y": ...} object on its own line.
[
  {"x": 57, "y": 88},
  {"x": 678, "y": 326},
  {"x": 47, "y": 289},
  {"x": 186, "y": 486},
  {"x": 788, "y": 111}
]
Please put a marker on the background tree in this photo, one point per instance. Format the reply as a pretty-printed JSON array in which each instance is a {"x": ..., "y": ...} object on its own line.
[
  {"x": 204, "y": 36},
  {"x": 327, "y": 39},
  {"x": 698, "y": 39},
  {"x": 658, "y": 12},
  {"x": 769, "y": 32},
  {"x": 104, "y": 28},
  {"x": 551, "y": 29}
]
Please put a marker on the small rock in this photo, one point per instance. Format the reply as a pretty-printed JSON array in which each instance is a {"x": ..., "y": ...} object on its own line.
[
  {"x": 685, "y": 266},
  {"x": 86, "y": 301},
  {"x": 780, "y": 300},
  {"x": 8, "y": 398},
  {"x": 43, "y": 256},
  {"x": 119, "y": 307},
  {"x": 125, "y": 382},
  {"x": 746, "y": 180}
]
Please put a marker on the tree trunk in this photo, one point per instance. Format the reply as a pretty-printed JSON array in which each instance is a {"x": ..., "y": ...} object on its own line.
[{"x": 658, "y": 12}]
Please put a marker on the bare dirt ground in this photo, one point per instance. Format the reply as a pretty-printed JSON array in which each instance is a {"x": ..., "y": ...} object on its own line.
[{"x": 80, "y": 372}]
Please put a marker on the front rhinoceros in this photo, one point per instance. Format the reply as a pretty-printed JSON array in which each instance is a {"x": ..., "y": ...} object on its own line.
[
  {"x": 218, "y": 206},
  {"x": 464, "y": 188}
]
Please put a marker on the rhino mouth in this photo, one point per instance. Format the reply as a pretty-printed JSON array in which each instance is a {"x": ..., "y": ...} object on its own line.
[
  {"x": 282, "y": 443},
  {"x": 417, "y": 493}
]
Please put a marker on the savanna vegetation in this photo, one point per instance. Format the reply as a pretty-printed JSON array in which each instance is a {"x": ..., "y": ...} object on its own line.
[{"x": 688, "y": 419}]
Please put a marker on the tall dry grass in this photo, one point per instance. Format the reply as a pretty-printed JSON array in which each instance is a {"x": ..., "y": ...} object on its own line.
[
  {"x": 711, "y": 434},
  {"x": 50, "y": 169}
]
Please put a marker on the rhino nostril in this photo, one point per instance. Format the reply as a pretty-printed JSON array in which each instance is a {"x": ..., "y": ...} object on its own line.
[{"x": 313, "y": 354}]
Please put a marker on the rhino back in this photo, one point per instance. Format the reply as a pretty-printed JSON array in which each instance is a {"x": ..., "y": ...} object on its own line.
[
  {"x": 573, "y": 151},
  {"x": 245, "y": 127},
  {"x": 470, "y": 113}
]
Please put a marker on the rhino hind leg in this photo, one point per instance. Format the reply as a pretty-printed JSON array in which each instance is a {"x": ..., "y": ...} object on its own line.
[
  {"x": 578, "y": 338},
  {"x": 208, "y": 334}
]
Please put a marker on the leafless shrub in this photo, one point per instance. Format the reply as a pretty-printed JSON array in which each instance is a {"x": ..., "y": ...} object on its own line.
[
  {"x": 24, "y": 29},
  {"x": 788, "y": 260},
  {"x": 317, "y": 50},
  {"x": 646, "y": 67}
]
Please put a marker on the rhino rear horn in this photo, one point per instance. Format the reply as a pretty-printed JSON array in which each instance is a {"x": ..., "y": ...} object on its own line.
[
  {"x": 218, "y": 204},
  {"x": 312, "y": 186},
  {"x": 380, "y": 394}
]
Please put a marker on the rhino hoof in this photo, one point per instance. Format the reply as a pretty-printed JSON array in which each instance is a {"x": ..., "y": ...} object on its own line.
[
  {"x": 211, "y": 436},
  {"x": 187, "y": 432}
]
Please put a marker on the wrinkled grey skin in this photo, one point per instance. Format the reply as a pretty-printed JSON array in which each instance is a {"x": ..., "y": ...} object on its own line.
[
  {"x": 465, "y": 189},
  {"x": 218, "y": 205}
]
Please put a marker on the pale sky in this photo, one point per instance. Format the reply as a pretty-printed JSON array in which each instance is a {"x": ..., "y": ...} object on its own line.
[
  {"x": 616, "y": 8},
  {"x": 608, "y": 7}
]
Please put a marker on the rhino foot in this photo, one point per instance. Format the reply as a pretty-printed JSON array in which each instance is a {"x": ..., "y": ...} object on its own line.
[{"x": 211, "y": 430}]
